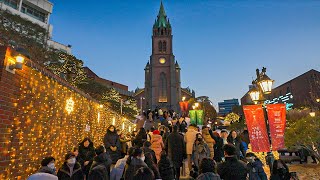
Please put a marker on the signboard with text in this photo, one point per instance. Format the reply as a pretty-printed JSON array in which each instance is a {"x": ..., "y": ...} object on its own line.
[
  {"x": 277, "y": 124},
  {"x": 257, "y": 128}
]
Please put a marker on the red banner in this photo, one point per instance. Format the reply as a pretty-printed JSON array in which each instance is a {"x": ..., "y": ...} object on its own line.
[
  {"x": 257, "y": 128},
  {"x": 184, "y": 106},
  {"x": 277, "y": 124}
]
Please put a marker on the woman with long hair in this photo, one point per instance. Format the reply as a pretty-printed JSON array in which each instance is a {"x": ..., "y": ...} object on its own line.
[
  {"x": 235, "y": 140},
  {"x": 86, "y": 155},
  {"x": 112, "y": 143},
  {"x": 140, "y": 138}
]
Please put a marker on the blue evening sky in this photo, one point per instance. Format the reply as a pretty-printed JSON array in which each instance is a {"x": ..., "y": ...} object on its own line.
[{"x": 218, "y": 44}]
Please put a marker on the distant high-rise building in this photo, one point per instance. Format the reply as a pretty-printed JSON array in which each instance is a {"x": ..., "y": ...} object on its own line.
[
  {"x": 37, "y": 12},
  {"x": 226, "y": 106}
]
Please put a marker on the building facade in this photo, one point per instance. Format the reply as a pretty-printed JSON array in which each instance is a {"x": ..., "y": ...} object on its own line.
[
  {"x": 37, "y": 12},
  {"x": 301, "y": 91},
  {"x": 121, "y": 88},
  {"x": 226, "y": 106},
  {"x": 162, "y": 72}
]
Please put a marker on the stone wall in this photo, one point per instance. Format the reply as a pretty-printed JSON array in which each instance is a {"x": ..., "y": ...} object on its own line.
[{"x": 34, "y": 118}]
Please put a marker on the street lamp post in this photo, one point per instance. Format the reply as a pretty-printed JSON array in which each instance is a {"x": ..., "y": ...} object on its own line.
[{"x": 263, "y": 85}]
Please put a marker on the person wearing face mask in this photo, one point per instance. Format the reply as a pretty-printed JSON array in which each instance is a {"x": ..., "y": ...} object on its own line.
[
  {"x": 112, "y": 144},
  {"x": 70, "y": 169},
  {"x": 200, "y": 150},
  {"x": 86, "y": 155},
  {"x": 47, "y": 170},
  {"x": 134, "y": 162},
  {"x": 280, "y": 171},
  {"x": 255, "y": 167}
]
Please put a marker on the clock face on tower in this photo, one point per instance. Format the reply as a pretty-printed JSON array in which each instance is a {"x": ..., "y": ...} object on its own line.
[{"x": 162, "y": 60}]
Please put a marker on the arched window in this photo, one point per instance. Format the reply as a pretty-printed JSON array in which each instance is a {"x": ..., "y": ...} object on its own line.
[
  {"x": 161, "y": 31},
  {"x": 163, "y": 88},
  {"x": 160, "y": 46},
  {"x": 164, "y": 46}
]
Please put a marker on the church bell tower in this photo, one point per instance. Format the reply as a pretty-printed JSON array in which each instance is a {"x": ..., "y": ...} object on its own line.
[{"x": 162, "y": 72}]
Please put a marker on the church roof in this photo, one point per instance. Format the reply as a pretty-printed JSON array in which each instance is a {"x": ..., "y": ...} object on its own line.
[{"x": 162, "y": 21}]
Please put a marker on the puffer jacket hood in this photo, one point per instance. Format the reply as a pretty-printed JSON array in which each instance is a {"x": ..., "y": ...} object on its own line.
[{"x": 209, "y": 176}]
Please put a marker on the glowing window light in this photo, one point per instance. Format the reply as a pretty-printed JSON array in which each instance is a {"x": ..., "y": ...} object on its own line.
[{"x": 69, "y": 105}]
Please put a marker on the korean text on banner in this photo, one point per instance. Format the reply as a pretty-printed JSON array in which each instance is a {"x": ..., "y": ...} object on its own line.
[
  {"x": 257, "y": 128},
  {"x": 277, "y": 124}
]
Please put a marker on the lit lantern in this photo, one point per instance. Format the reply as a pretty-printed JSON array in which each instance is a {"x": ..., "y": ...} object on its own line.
[
  {"x": 69, "y": 105},
  {"x": 113, "y": 121},
  {"x": 254, "y": 94},
  {"x": 266, "y": 84},
  {"x": 312, "y": 114}
]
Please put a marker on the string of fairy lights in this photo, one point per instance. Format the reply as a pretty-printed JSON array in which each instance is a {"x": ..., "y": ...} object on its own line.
[{"x": 50, "y": 119}]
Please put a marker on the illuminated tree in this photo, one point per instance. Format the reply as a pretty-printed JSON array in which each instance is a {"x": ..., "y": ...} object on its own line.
[{"x": 232, "y": 117}]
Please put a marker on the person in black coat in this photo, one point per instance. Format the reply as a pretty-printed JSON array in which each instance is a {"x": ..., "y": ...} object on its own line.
[
  {"x": 70, "y": 169},
  {"x": 86, "y": 155},
  {"x": 147, "y": 150},
  {"x": 134, "y": 162},
  {"x": 112, "y": 144},
  {"x": 148, "y": 160},
  {"x": 280, "y": 171},
  {"x": 234, "y": 139},
  {"x": 140, "y": 138},
  {"x": 255, "y": 167},
  {"x": 100, "y": 169},
  {"x": 232, "y": 168},
  {"x": 166, "y": 168},
  {"x": 176, "y": 149},
  {"x": 218, "y": 151}
]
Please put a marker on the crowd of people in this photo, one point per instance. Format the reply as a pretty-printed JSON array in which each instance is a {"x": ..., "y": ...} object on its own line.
[{"x": 163, "y": 148}]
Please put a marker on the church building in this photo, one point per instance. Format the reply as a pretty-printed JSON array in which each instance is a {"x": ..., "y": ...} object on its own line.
[{"x": 162, "y": 72}]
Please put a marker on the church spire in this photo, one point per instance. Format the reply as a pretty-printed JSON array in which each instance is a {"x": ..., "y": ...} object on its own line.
[
  {"x": 162, "y": 11},
  {"x": 162, "y": 21}
]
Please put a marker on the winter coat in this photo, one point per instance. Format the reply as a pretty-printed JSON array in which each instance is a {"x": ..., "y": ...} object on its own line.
[
  {"x": 218, "y": 151},
  {"x": 42, "y": 176},
  {"x": 190, "y": 138},
  {"x": 139, "y": 140},
  {"x": 200, "y": 151},
  {"x": 166, "y": 169},
  {"x": 64, "y": 172},
  {"x": 241, "y": 153},
  {"x": 46, "y": 169},
  {"x": 100, "y": 167},
  {"x": 182, "y": 125},
  {"x": 176, "y": 148},
  {"x": 112, "y": 139},
  {"x": 256, "y": 171},
  {"x": 209, "y": 140},
  {"x": 153, "y": 154},
  {"x": 157, "y": 145},
  {"x": 208, "y": 176},
  {"x": 155, "y": 171},
  {"x": 135, "y": 164},
  {"x": 232, "y": 169},
  {"x": 117, "y": 171},
  {"x": 86, "y": 154}
]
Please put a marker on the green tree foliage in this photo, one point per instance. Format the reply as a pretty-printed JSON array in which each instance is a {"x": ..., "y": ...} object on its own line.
[
  {"x": 111, "y": 98},
  {"x": 68, "y": 67},
  {"x": 18, "y": 32},
  {"x": 303, "y": 130},
  {"x": 205, "y": 104}
]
